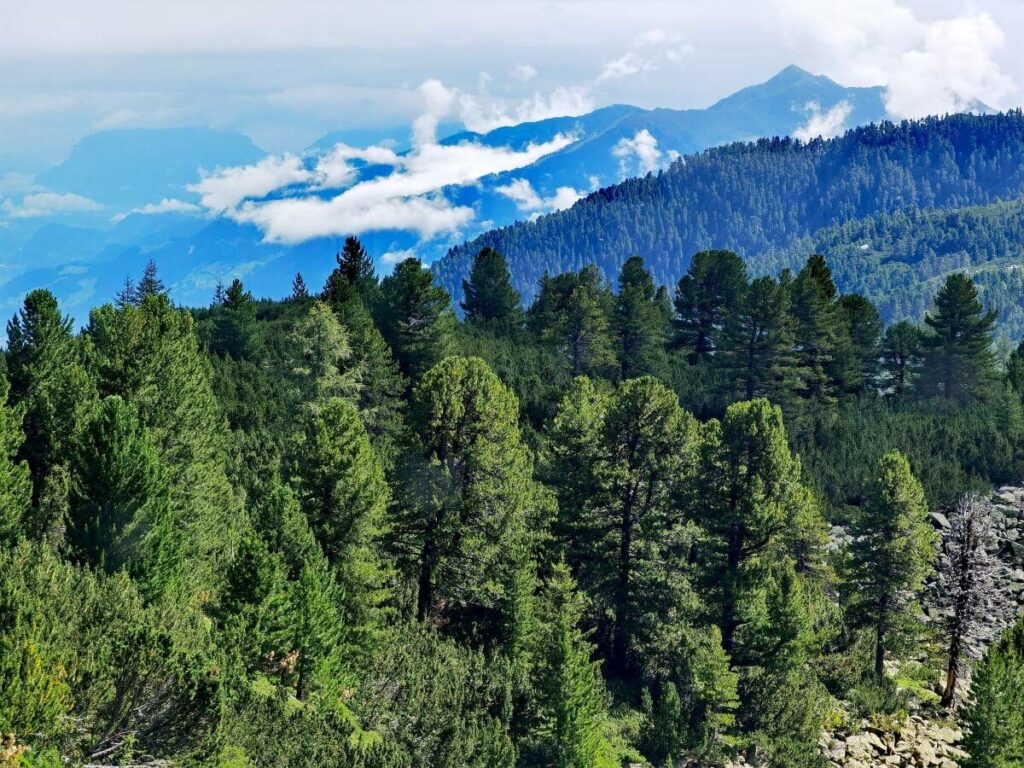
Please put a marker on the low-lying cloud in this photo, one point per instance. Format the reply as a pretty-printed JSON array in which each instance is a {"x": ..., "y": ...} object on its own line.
[
  {"x": 529, "y": 201},
  {"x": 49, "y": 204},
  {"x": 639, "y": 153},
  {"x": 824, "y": 124},
  {"x": 291, "y": 200}
]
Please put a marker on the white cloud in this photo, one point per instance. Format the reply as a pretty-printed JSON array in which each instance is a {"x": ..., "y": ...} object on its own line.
[
  {"x": 527, "y": 200},
  {"x": 650, "y": 50},
  {"x": 225, "y": 188},
  {"x": 409, "y": 198},
  {"x": 927, "y": 66},
  {"x": 524, "y": 72},
  {"x": 483, "y": 112},
  {"x": 167, "y": 205},
  {"x": 394, "y": 257},
  {"x": 643, "y": 147},
  {"x": 625, "y": 65},
  {"x": 825, "y": 124},
  {"x": 49, "y": 204}
]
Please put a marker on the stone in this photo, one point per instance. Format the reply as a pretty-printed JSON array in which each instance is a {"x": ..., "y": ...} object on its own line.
[{"x": 939, "y": 520}]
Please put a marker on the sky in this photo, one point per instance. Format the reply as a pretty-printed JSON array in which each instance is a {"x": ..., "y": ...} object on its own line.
[{"x": 287, "y": 71}]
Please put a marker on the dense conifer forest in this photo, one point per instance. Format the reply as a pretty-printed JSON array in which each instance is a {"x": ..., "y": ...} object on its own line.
[
  {"x": 353, "y": 529},
  {"x": 895, "y": 208}
]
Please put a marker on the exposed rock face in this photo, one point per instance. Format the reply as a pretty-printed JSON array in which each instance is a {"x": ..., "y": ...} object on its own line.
[
  {"x": 920, "y": 742},
  {"x": 915, "y": 743}
]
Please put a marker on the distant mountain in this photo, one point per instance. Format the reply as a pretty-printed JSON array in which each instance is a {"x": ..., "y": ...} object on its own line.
[
  {"x": 125, "y": 170},
  {"x": 137, "y": 166},
  {"x": 771, "y": 200}
]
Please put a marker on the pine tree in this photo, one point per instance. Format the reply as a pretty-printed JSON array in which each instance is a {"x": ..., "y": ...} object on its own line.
[
  {"x": 641, "y": 322},
  {"x": 892, "y": 554},
  {"x": 970, "y": 578},
  {"x": 235, "y": 323},
  {"x": 856, "y": 366},
  {"x": 48, "y": 381},
  {"x": 573, "y": 315},
  {"x": 417, "y": 319},
  {"x": 571, "y": 700},
  {"x": 747, "y": 490},
  {"x": 995, "y": 721},
  {"x": 704, "y": 297},
  {"x": 354, "y": 276},
  {"x": 901, "y": 356},
  {"x": 321, "y": 356},
  {"x": 120, "y": 498},
  {"x": 490, "y": 298},
  {"x": 958, "y": 361},
  {"x": 756, "y": 351},
  {"x": 820, "y": 335},
  {"x": 15, "y": 479},
  {"x": 464, "y": 522},
  {"x": 127, "y": 294},
  {"x": 635, "y": 447}
]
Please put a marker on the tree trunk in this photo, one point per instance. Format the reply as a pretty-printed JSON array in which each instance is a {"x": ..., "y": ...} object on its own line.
[
  {"x": 735, "y": 549},
  {"x": 620, "y": 636}
]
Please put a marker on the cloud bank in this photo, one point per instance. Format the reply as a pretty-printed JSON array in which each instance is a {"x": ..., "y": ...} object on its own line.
[
  {"x": 927, "y": 66},
  {"x": 49, "y": 204},
  {"x": 291, "y": 200}
]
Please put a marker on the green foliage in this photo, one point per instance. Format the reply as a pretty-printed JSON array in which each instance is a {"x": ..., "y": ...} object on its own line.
[
  {"x": 958, "y": 360},
  {"x": 15, "y": 482},
  {"x": 571, "y": 704},
  {"x": 416, "y": 318},
  {"x": 996, "y": 718},
  {"x": 705, "y": 296},
  {"x": 892, "y": 554},
  {"x": 490, "y": 298}
]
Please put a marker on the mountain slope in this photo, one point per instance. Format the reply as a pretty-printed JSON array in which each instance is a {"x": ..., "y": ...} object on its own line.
[
  {"x": 134, "y": 167},
  {"x": 760, "y": 198}
]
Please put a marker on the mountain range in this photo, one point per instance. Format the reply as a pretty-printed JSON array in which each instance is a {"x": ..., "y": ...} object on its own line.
[{"x": 124, "y": 197}]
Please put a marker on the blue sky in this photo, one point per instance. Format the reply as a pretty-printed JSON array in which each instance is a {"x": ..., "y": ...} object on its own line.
[{"x": 286, "y": 72}]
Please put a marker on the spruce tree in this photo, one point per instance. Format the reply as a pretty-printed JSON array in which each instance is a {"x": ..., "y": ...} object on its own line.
[
  {"x": 995, "y": 720},
  {"x": 119, "y": 505},
  {"x": 299, "y": 289},
  {"x": 573, "y": 314},
  {"x": 490, "y": 298},
  {"x": 417, "y": 319},
  {"x": 704, "y": 297},
  {"x": 571, "y": 699},
  {"x": 149, "y": 284},
  {"x": 354, "y": 275},
  {"x": 958, "y": 360},
  {"x": 856, "y": 366},
  {"x": 892, "y": 554}
]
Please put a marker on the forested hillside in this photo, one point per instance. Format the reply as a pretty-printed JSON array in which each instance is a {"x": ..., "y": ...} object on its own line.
[
  {"x": 349, "y": 529},
  {"x": 777, "y": 196}
]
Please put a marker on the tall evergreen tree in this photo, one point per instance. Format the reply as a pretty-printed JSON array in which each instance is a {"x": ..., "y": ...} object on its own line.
[
  {"x": 641, "y": 322},
  {"x": 573, "y": 314},
  {"x": 299, "y": 289},
  {"x": 119, "y": 506},
  {"x": 463, "y": 526},
  {"x": 353, "y": 275},
  {"x": 47, "y": 380},
  {"x": 15, "y": 478},
  {"x": 489, "y": 296},
  {"x": 855, "y": 369},
  {"x": 820, "y": 335},
  {"x": 892, "y": 554},
  {"x": 704, "y": 297},
  {"x": 901, "y": 356},
  {"x": 756, "y": 351},
  {"x": 340, "y": 486},
  {"x": 637, "y": 447},
  {"x": 958, "y": 361},
  {"x": 417, "y": 320},
  {"x": 571, "y": 700},
  {"x": 149, "y": 284},
  {"x": 995, "y": 720}
]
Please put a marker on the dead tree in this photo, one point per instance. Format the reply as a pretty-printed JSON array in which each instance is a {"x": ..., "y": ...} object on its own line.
[{"x": 971, "y": 588}]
